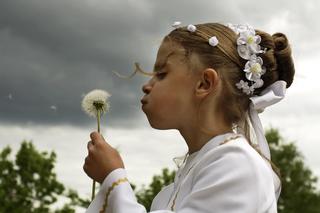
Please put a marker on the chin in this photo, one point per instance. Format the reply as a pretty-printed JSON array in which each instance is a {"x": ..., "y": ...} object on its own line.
[
  {"x": 160, "y": 126},
  {"x": 158, "y": 122}
]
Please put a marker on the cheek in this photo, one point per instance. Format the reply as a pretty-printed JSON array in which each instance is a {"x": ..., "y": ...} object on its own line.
[
  {"x": 170, "y": 97},
  {"x": 165, "y": 101},
  {"x": 164, "y": 111},
  {"x": 171, "y": 103}
]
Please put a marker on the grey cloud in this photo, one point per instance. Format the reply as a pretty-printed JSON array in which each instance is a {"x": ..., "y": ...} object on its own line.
[{"x": 51, "y": 52}]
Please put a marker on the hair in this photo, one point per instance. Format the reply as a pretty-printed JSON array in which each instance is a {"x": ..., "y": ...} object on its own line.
[{"x": 224, "y": 58}]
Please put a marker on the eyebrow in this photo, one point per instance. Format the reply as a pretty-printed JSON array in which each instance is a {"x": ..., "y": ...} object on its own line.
[{"x": 158, "y": 66}]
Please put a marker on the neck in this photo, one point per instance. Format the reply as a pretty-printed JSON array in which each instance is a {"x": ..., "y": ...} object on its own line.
[{"x": 196, "y": 138}]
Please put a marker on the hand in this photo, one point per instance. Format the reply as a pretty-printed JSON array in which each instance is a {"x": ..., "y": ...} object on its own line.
[{"x": 102, "y": 159}]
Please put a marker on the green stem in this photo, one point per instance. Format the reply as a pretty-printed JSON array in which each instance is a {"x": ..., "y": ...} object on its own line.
[
  {"x": 98, "y": 120},
  {"x": 94, "y": 182},
  {"x": 93, "y": 190}
]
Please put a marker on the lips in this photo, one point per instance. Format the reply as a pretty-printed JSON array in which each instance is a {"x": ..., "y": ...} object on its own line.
[{"x": 143, "y": 101}]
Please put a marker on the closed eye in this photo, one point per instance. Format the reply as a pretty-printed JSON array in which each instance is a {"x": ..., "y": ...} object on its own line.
[{"x": 161, "y": 75}]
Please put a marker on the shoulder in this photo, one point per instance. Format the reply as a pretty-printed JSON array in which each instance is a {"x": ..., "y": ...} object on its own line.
[
  {"x": 234, "y": 163},
  {"x": 236, "y": 168},
  {"x": 234, "y": 153}
]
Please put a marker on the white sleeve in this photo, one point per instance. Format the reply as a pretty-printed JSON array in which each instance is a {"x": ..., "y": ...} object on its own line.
[
  {"x": 120, "y": 199},
  {"x": 226, "y": 185}
]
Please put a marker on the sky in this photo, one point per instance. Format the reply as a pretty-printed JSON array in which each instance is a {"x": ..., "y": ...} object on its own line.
[{"x": 54, "y": 52}]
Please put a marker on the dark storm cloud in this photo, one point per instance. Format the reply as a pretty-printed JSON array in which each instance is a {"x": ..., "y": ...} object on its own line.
[{"x": 51, "y": 52}]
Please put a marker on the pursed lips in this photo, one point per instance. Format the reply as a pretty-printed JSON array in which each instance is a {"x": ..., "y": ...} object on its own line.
[{"x": 143, "y": 101}]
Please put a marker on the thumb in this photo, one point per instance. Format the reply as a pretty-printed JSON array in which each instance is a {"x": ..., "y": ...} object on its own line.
[{"x": 96, "y": 137}]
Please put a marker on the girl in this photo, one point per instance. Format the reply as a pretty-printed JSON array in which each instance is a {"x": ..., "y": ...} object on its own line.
[{"x": 210, "y": 81}]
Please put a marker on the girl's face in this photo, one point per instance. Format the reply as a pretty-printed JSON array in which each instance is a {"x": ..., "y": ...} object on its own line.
[{"x": 168, "y": 100}]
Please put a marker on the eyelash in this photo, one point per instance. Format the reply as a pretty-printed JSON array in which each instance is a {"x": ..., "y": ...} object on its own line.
[{"x": 161, "y": 75}]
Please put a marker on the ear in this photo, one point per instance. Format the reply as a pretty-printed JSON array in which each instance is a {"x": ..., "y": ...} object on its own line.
[{"x": 207, "y": 83}]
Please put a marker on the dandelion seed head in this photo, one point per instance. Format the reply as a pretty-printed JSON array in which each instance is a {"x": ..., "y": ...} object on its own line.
[{"x": 94, "y": 101}]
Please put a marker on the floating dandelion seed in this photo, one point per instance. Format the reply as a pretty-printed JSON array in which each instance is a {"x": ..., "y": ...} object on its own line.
[
  {"x": 53, "y": 107},
  {"x": 95, "y": 104},
  {"x": 10, "y": 96}
]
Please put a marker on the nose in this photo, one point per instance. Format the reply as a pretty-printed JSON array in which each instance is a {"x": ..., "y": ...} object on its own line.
[{"x": 146, "y": 88}]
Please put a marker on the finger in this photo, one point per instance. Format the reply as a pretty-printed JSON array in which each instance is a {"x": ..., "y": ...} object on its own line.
[
  {"x": 87, "y": 160},
  {"x": 90, "y": 144},
  {"x": 91, "y": 148},
  {"x": 86, "y": 168},
  {"x": 95, "y": 136}
]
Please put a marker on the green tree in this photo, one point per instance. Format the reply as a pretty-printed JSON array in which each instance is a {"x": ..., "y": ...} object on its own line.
[
  {"x": 299, "y": 192},
  {"x": 29, "y": 184}
]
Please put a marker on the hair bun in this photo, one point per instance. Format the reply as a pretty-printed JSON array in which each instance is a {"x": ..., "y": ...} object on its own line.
[{"x": 282, "y": 52}]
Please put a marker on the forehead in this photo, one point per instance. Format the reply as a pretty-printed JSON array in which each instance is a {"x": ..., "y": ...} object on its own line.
[{"x": 169, "y": 51}]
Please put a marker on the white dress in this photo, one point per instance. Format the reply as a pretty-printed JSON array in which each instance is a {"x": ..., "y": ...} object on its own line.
[{"x": 219, "y": 178}]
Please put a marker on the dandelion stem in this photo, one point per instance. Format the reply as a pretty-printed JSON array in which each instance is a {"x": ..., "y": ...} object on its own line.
[
  {"x": 93, "y": 190},
  {"x": 98, "y": 119},
  {"x": 94, "y": 182}
]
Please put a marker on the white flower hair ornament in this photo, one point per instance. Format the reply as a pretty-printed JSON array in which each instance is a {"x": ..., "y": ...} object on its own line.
[
  {"x": 254, "y": 68},
  {"x": 212, "y": 40},
  {"x": 191, "y": 28},
  {"x": 176, "y": 24},
  {"x": 248, "y": 47}
]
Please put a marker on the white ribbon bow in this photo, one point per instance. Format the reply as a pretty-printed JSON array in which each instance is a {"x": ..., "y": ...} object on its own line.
[{"x": 269, "y": 96}]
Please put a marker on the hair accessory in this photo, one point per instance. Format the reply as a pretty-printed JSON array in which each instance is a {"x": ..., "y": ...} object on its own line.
[
  {"x": 176, "y": 24},
  {"x": 212, "y": 40},
  {"x": 248, "y": 48},
  {"x": 269, "y": 96},
  {"x": 191, "y": 28}
]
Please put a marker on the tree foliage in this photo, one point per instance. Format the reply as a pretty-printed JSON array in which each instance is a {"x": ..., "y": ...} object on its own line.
[
  {"x": 29, "y": 183},
  {"x": 299, "y": 192}
]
